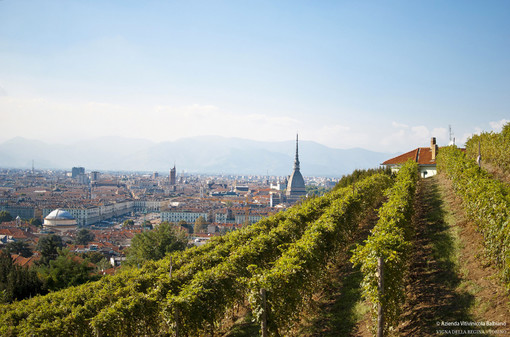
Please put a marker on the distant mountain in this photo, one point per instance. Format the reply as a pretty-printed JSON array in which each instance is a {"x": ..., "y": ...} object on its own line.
[{"x": 207, "y": 154}]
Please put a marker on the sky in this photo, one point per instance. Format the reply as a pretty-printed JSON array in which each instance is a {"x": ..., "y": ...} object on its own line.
[{"x": 380, "y": 75}]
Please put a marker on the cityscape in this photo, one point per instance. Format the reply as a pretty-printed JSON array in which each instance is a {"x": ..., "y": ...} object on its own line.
[
  {"x": 102, "y": 202},
  {"x": 254, "y": 168}
]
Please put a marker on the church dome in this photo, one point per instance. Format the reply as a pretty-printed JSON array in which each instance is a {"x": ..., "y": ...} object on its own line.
[
  {"x": 59, "y": 220},
  {"x": 296, "y": 182},
  {"x": 59, "y": 214}
]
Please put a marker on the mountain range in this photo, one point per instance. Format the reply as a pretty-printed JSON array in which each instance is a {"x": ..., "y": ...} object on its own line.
[{"x": 205, "y": 154}]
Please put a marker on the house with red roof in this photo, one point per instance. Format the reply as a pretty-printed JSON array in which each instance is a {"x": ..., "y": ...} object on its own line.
[{"x": 424, "y": 156}]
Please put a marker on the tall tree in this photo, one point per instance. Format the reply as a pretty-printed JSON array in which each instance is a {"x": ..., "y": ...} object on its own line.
[
  {"x": 49, "y": 246},
  {"x": 65, "y": 271},
  {"x": 18, "y": 247},
  {"x": 16, "y": 282},
  {"x": 128, "y": 223},
  {"x": 5, "y": 216},
  {"x": 84, "y": 236},
  {"x": 200, "y": 225},
  {"x": 155, "y": 244},
  {"x": 35, "y": 222}
]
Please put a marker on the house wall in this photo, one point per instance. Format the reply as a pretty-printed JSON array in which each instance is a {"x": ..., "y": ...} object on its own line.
[{"x": 427, "y": 171}]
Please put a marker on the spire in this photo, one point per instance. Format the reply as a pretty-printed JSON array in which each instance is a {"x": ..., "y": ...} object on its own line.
[{"x": 296, "y": 161}]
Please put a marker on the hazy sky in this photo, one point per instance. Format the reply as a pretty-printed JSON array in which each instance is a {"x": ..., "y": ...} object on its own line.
[{"x": 382, "y": 75}]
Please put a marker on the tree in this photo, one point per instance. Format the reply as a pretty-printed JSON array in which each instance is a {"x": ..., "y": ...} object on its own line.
[
  {"x": 18, "y": 247},
  {"x": 5, "y": 216},
  {"x": 48, "y": 246},
  {"x": 200, "y": 225},
  {"x": 93, "y": 257},
  {"x": 155, "y": 244},
  {"x": 16, "y": 282},
  {"x": 35, "y": 222},
  {"x": 128, "y": 223},
  {"x": 147, "y": 225},
  {"x": 84, "y": 236},
  {"x": 65, "y": 271},
  {"x": 103, "y": 264}
]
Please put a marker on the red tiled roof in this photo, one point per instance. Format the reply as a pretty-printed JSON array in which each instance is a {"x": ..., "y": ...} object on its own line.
[
  {"x": 24, "y": 261},
  {"x": 421, "y": 155},
  {"x": 17, "y": 233}
]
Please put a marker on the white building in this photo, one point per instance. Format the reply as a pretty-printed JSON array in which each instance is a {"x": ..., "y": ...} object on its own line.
[
  {"x": 60, "y": 220},
  {"x": 188, "y": 216}
]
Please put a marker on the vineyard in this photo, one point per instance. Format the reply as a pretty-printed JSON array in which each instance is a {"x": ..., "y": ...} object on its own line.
[
  {"x": 274, "y": 267},
  {"x": 494, "y": 147},
  {"x": 189, "y": 293}
]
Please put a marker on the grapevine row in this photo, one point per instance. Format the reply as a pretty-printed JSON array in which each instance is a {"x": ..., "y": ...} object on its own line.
[
  {"x": 261, "y": 248},
  {"x": 291, "y": 279},
  {"x": 494, "y": 147},
  {"x": 485, "y": 200},
  {"x": 100, "y": 307},
  {"x": 389, "y": 240}
]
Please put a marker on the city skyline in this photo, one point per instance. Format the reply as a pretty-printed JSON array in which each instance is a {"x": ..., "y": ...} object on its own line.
[{"x": 384, "y": 77}]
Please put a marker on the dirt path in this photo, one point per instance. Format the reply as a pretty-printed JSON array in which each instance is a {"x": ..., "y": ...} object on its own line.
[
  {"x": 449, "y": 281},
  {"x": 338, "y": 309}
]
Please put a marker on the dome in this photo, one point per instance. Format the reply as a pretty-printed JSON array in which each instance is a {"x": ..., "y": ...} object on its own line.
[
  {"x": 59, "y": 214},
  {"x": 296, "y": 182}
]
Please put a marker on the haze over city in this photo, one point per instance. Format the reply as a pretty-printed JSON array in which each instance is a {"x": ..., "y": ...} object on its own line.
[{"x": 384, "y": 76}]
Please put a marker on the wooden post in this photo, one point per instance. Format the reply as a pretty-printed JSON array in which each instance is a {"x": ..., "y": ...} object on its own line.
[
  {"x": 176, "y": 322},
  {"x": 479, "y": 158},
  {"x": 380, "y": 313},
  {"x": 171, "y": 265},
  {"x": 264, "y": 313}
]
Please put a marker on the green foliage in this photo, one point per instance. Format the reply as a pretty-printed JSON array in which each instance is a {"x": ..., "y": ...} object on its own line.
[
  {"x": 390, "y": 239},
  {"x": 93, "y": 257},
  {"x": 65, "y": 271},
  {"x": 128, "y": 223},
  {"x": 294, "y": 276},
  {"x": 49, "y": 246},
  {"x": 18, "y": 247},
  {"x": 83, "y": 237},
  {"x": 35, "y": 222},
  {"x": 5, "y": 216},
  {"x": 17, "y": 283},
  {"x": 200, "y": 225},
  {"x": 494, "y": 147},
  {"x": 485, "y": 200},
  {"x": 155, "y": 244},
  {"x": 358, "y": 175},
  {"x": 315, "y": 190},
  {"x": 204, "y": 282},
  {"x": 103, "y": 264}
]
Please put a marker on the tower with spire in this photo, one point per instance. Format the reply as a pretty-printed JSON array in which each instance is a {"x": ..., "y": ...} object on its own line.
[{"x": 296, "y": 185}]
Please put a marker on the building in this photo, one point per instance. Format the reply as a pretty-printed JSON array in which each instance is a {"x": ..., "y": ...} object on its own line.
[
  {"x": 424, "y": 156},
  {"x": 296, "y": 184},
  {"x": 76, "y": 171},
  {"x": 172, "y": 175},
  {"x": 94, "y": 175},
  {"x": 184, "y": 215},
  {"x": 60, "y": 220},
  {"x": 24, "y": 212}
]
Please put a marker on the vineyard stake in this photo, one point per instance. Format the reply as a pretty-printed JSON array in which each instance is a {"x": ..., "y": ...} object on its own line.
[
  {"x": 380, "y": 313},
  {"x": 264, "y": 313},
  {"x": 176, "y": 322}
]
